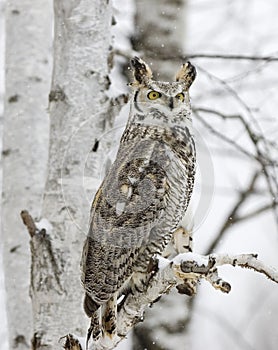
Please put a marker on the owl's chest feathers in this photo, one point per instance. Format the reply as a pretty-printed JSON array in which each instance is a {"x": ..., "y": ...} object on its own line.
[
  {"x": 177, "y": 160},
  {"x": 178, "y": 140}
]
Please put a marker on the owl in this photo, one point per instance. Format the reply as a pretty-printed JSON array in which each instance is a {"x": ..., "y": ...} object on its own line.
[{"x": 143, "y": 197}]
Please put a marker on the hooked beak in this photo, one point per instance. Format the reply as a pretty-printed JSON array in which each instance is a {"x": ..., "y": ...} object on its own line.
[{"x": 171, "y": 103}]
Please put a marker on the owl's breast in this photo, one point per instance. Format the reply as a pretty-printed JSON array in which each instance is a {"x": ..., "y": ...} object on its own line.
[
  {"x": 179, "y": 148},
  {"x": 180, "y": 178},
  {"x": 172, "y": 150}
]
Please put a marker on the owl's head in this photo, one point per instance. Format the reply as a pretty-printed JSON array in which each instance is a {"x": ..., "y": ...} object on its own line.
[{"x": 152, "y": 96}]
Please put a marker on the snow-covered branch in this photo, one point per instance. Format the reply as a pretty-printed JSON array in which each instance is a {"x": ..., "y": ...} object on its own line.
[{"x": 183, "y": 272}]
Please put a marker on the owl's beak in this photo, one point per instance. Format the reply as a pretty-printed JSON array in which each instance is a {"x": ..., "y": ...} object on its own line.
[{"x": 171, "y": 103}]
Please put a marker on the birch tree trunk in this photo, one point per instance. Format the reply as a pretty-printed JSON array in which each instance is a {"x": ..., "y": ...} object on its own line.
[
  {"x": 25, "y": 140},
  {"x": 160, "y": 32},
  {"x": 78, "y": 115}
]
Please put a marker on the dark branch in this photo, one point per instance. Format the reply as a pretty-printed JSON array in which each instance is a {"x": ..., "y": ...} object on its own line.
[
  {"x": 28, "y": 221},
  {"x": 262, "y": 148},
  {"x": 223, "y": 137},
  {"x": 254, "y": 136},
  {"x": 268, "y": 58},
  {"x": 231, "y": 57},
  {"x": 257, "y": 212},
  {"x": 232, "y": 217}
]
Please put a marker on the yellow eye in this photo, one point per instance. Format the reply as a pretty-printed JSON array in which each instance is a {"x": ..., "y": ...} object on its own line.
[
  {"x": 153, "y": 95},
  {"x": 180, "y": 96}
]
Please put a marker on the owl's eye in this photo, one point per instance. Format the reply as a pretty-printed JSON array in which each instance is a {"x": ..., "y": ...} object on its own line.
[
  {"x": 180, "y": 96},
  {"x": 153, "y": 95}
]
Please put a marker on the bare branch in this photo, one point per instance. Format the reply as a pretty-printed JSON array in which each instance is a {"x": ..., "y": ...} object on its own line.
[
  {"x": 127, "y": 54},
  {"x": 268, "y": 58},
  {"x": 233, "y": 214},
  {"x": 257, "y": 211},
  {"x": 29, "y": 222},
  {"x": 248, "y": 261},
  {"x": 254, "y": 137},
  {"x": 184, "y": 268},
  {"x": 262, "y": 149},
  {"x": 224, "y": 137}
]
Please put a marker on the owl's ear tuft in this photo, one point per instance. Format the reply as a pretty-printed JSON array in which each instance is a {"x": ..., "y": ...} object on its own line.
[
  {"x": 186, "y": 75},
  {"x": 142, "y": 72}
]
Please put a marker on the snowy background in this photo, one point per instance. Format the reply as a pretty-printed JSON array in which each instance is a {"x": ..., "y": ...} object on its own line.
[{"x": 246, "y": 318}]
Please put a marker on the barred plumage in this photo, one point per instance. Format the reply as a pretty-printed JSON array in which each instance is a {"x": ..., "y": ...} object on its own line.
[{"x": 144, "y": 196}]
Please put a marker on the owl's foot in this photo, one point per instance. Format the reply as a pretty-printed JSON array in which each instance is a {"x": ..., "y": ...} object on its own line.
[
  {"x": 109, "y": 319},
  {"x": 94, "y": 330}
]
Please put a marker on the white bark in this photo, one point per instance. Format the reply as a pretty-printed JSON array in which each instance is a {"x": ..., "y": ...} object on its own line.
[
  {"x": 25, "y": 139},
  {"x": 78, "y": 116}
]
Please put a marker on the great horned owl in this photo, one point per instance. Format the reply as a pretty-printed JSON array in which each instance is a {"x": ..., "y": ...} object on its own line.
[{"x": 144, "y": 195}]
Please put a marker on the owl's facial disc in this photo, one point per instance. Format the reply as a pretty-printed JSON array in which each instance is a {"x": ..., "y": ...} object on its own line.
[{"x": 171, "y": 100}]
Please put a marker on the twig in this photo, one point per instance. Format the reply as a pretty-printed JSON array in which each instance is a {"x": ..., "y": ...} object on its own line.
[
  {"x": 231, "y": 57},
  {"x": 256, "y": 212},
  {"x": 29, "y": 222},
  {"x": 269, "y": 58},
  {"x": 248, "y": 261},
  {"x": 254, "y": 137},
  {"x": 224, "y": 137},
  {"x": 271, "y": 181},
  {"x": 232, "y": 216}
]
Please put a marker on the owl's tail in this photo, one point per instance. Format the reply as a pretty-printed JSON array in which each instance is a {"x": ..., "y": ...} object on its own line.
[{"x": 90, "y": 306}]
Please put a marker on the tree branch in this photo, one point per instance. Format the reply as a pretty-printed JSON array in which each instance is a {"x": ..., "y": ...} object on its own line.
[
  {"x": 253, "y": 136},
  {"x": 268, "y": 58},
  {"x": 43, "y": 255},
  {"x": 28, "y": 221},
  {"x": 223, "y": 137},
  {"x": 233, "y": 214},
  {"x": 256, "y": 212},
  {"x": 184, "y": 268},
  {"x": 262, "y": 148}
]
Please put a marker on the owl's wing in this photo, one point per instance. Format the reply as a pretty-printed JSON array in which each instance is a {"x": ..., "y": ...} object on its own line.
[{"x": 128, "y": 205}]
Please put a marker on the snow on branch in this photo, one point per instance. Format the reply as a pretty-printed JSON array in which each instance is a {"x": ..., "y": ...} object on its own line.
[{"x": 186, "y": 270}]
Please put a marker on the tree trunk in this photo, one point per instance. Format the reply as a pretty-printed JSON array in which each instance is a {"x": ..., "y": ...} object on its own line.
[
  {"x": 78, "y": 116},
  {"x": 25, "y": 140}
]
